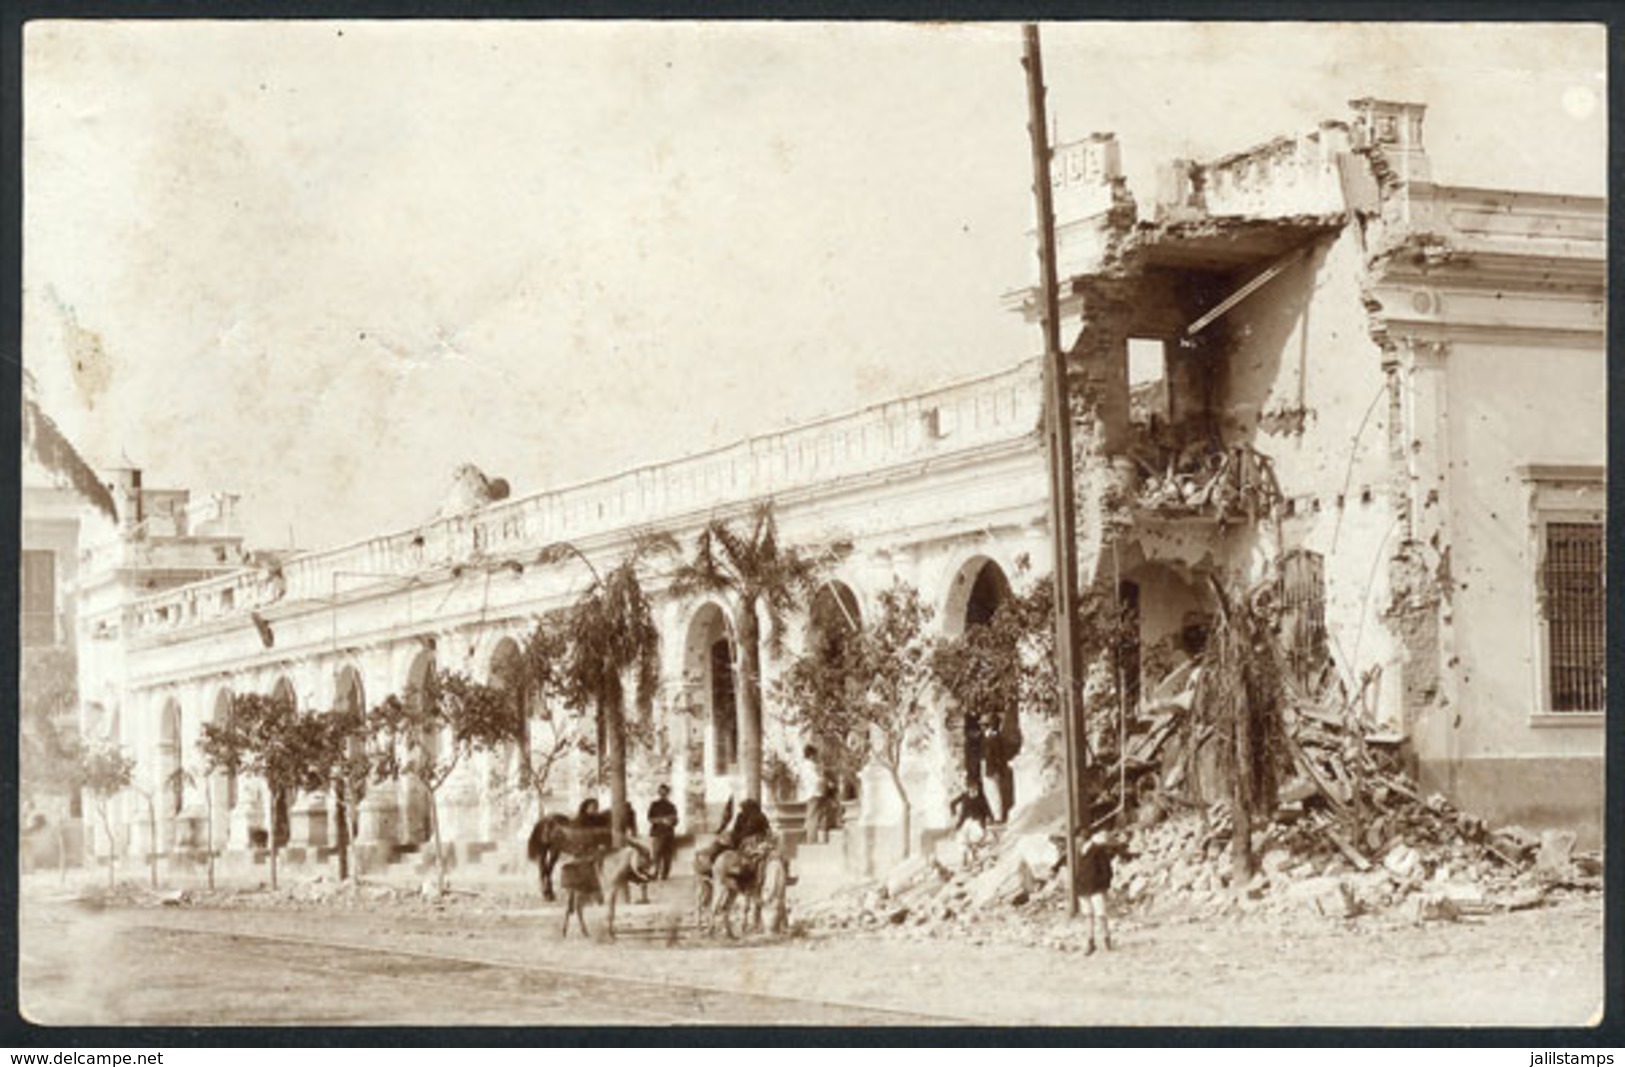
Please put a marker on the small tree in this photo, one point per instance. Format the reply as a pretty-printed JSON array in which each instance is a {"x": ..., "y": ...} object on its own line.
[
  {"x": 1006, "y": 669},
  {"x": 104, "y": 771},
  {"x": 268, "y": 737},
  {"x": 872, "y": 697},
  {"x": 543, "y": 686},
  {"x": 427, "y": 735},
  {"x": 343, "y": 756}
]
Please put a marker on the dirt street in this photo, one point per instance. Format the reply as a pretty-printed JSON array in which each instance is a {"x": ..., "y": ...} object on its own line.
[{"x": 495, "y": 955}]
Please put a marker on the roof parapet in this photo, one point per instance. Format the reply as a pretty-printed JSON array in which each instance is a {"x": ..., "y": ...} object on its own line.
[
  {"x": 1394, "y": 128},
  {"x": 1288, "y": 176}
]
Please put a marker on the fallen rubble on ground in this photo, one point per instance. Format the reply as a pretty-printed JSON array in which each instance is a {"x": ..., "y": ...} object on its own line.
[{"x": 1350, "y": 835}]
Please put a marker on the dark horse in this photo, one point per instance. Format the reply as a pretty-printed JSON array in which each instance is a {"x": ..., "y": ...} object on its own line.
[
  {"x": 556, "y": 835},
  {"x": 586, "y": 836}
]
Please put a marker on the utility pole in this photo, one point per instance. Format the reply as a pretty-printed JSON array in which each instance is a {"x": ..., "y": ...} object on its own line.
[{"x": 1058, "y": 441}]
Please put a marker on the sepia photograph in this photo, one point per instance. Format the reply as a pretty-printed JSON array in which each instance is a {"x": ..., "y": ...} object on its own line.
[{"x": 705, "y": 524}]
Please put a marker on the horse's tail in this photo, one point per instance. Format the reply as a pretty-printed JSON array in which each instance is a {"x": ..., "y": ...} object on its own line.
[{"x": 537, "y": 845}]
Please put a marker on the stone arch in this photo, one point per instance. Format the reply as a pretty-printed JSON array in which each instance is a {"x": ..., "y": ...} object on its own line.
[
  {"x": 418, "y": 672},
  {"x": 710, "y": 670},
  {"x": 977, "y": 589},
  {"x": 171, "y": 786},
  {"x": 981, "y": 743},
  {"x": 505, "y": 671},
  {"x": 349, "y": 689},
  {"x": 503, "y": 666},
  {"x": 225, "y": 786},
  {"x": 834, "y": 610}
]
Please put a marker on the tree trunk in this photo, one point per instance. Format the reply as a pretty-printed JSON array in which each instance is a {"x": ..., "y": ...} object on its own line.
[
  {"x": 107, "y": 828},
  {"x": 152, "y": 844},
  {"x": 208, "y": 833},
  {"x": 271, "y": 836},
  {"x": 352, "y": 827},
  {"x": 750, "y": 700},
  {"x": 908, "y": 810},
  {"x": 62, "y": 852},
  {"x": 434, "y": 830},
  {"x": 615, "y": 758},
  {"x": 342, "y": 808},
  {"x": 1241, "y": 820}
]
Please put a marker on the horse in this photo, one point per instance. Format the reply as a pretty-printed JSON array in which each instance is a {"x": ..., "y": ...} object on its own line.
[
  {"x": 731, "y": 878},
  {"x": 556, "y": 835},
  {"x": 704, "y": 860},
  {"x": 616, "y": 869}
]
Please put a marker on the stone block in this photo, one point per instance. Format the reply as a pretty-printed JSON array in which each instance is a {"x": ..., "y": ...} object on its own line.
[
  {"x": 1556, "y": 852},
  {"x": 1432, "y": 907},
  {"x": 1275, "y": 861},
  {"x": 1005, "y": 878},
  {"x": 905, "y": 874},
  {"x": 1040, "y": 852},
  {"x": 1460, "y": 893},
  {"x": 950, "y": 852},
  {"x": 1403, "y": 861},
  {"x": 1327, "y": 896}
]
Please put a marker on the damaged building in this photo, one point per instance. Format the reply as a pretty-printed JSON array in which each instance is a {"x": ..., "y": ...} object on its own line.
[
  {"x": 1311, "y": 370},
  {"x": 1305, "y": 368}
]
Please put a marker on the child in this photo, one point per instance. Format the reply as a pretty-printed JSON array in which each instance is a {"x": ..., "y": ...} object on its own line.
[{"x": 1094, "y": 879}]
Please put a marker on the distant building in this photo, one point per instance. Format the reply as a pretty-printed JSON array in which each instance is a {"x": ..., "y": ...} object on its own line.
[
  {"x": 1311, "y": 365},
  {"x": 163, "y": 540},
  {"x": 59, "y": 498}
]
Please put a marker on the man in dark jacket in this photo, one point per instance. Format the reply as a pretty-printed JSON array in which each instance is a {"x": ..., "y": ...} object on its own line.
[
  {"x": 750, "y": 824},
  {"x": 663, "y": 829}
]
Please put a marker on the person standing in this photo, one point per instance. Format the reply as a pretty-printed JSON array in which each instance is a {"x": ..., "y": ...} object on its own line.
[
  {"x": 663, "y": 830},
  {"x": 1094, "y": 881},
  {"x": 995, "y": 760},
  {"x": 970, "y": 806}
]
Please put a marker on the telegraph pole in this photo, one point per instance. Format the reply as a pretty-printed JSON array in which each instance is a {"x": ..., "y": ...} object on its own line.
[{"x": 1058, "y": 441}]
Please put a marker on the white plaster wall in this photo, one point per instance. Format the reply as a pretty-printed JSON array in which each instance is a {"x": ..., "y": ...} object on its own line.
[
  {"x": 1502, "y": 399},
  {"x": 1303, "y": 339}
]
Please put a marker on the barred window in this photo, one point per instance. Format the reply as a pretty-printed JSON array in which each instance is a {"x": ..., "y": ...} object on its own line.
[
  {"x": 1303, "y": 614},
  {"x": 1567, "y": 516},
  {"x": 1573, "y": 599}
]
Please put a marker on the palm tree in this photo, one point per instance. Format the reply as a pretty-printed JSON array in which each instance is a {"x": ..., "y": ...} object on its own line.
[
  {"x": 53, "y": 451},
  {"x": 611, "y": 631},
  {"x": 759, "y": 573}
]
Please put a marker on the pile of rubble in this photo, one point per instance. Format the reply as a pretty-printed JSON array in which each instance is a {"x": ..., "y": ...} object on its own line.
[
  {"x": 1012, "y": 889},
  {"x": 1425, "y": 870},
  {"x": 1351, "y": 836}
]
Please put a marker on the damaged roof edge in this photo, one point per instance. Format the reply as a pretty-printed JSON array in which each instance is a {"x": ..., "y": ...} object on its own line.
[{"x": 1223, "y": 243}]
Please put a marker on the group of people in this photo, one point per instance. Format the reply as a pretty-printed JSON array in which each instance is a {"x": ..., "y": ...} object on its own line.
[
  {"x": 663, "y": 819},
  {"x": 987, "y": 752},
  {"x": 747, "y": 830}
]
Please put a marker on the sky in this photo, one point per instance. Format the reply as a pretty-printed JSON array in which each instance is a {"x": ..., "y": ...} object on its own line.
[{"x": 324, "y": 264}]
